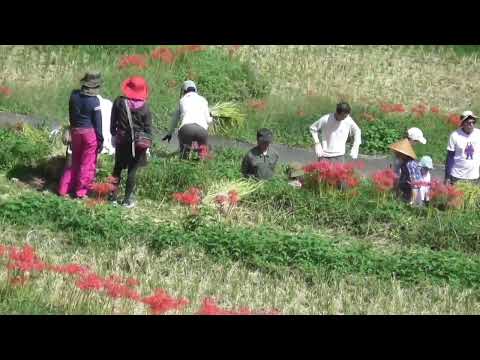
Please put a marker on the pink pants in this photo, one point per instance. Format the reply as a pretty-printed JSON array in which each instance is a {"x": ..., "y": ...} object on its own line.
[{"x": 81, "y": 174}]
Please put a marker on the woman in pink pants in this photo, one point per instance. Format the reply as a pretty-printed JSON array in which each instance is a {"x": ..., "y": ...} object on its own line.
[{"x": 87, "y": 140}]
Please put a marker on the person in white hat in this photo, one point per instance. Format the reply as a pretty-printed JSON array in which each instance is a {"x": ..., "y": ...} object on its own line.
[
  {"x": 463, "y": 151},
  {"x": 334, "y": 129},
  {"x": 414, "y": 136},
  {"x": 194, "y": 117},
  {"x": 423, "y": 193}
]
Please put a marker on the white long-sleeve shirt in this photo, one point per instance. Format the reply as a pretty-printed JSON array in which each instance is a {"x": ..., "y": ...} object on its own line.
[
  {"x": 193, "y": 109},
  {"x": 334, "y": 135},
  {"x": 106, "y": 109}
]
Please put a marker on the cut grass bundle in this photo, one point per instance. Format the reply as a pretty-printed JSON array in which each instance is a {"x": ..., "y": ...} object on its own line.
[
  {"x": 226, "y": 115},
  {"x": 241, "y": 187}
]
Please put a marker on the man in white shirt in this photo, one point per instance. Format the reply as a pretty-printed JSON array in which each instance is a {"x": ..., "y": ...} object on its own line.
[
  {"x": 194, "y": 117},
  {"x": 334, "y": 130},
  {"x": 463, "y": 151}
]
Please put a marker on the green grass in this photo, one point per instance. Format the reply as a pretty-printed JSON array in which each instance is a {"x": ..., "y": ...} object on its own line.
[{"x": 34, "y": 73}]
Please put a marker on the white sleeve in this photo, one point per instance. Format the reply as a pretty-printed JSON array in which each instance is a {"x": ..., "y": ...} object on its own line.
[
  {"x": 315, "y": 128},
  {"x": 357, "y": 136},
  {"x": 208, "y": 118},
  {"x": 451, "y": 143},
  {"x": 174, "y": 121}
]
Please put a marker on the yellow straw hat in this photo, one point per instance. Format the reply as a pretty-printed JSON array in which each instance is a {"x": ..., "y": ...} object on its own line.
[{"x": 404, "y": 147}]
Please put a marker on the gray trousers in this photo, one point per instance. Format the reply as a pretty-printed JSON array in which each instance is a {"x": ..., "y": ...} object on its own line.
[{"x": 188, "y": 134}]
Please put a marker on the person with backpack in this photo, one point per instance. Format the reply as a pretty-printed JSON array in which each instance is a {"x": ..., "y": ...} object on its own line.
[{"x": 131, "y": 129}]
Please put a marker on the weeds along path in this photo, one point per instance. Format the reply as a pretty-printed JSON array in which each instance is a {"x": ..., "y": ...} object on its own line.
[{"x": 287, "y": 153}]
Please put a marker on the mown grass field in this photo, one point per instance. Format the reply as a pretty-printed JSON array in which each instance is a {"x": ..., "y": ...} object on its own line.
[{"x": 295, "y": 251}]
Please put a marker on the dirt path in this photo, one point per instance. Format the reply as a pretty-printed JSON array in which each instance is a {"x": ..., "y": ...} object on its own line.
[{"x": 287, "y": 154}]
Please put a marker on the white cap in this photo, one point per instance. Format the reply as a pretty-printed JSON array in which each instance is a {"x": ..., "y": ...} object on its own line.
[
  {"x": 426, "y": 161},
  {"x": 415, "y": 134},
  {"x": 189, "y": 84},
  {"x": 468, "y": 114}
]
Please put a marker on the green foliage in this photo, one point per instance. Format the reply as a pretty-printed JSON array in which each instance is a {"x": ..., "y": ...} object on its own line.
[
  {"x": 23, "y": 145},
  {"x": 377, "y": 136},
  {"x": 263, "y": 248}
]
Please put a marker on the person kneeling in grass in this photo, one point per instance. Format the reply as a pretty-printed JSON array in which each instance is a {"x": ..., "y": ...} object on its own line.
[
  {"x": 261, "y": 160},
  {"x": 335, "y": 129},
  {"x": 463, "y": 152},
  {"x": 407, "y": 185}
]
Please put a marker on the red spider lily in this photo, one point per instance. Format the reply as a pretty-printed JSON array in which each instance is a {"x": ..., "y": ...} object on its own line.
[
  {"x": 132, "y": 282},
  {"x": 454, "y": 119},
  {"x": 210, "y": 307},
  {"x": 257, "y": 104},
  {"x": 140, "y": 61},
  {"x": 368, "y": 117},
  {"x": 116, "y": 290},
  {"x": 334, "y": 174},
  {"x": 103, "y": 189},
  {"x": 70, "y": 269},
  {"x": 165, "y": 55},
  {"x": 25, "y": 260},
  {"x": 233, "y": 197},
  {"x": 384, "y": 180},
  {"x": 435, "y": 109},
  {"x": 203, "y": 152},
  {"x": 388, "y": 108},
  {"x": 5, "y": 91},
  {"x": 89, "y": 282},
  {"x": 191, "y": 197},
  {"x": 447, "y": 196},
  {"x": 161, "y": 302}
]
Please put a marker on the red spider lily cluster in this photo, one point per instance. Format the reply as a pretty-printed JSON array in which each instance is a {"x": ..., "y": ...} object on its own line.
[
  {"x": 164, "y": 54},
  {"x": 5, "y": 91},
  {"x": 102, "y": 190},
  {"x": 160, "y": 302},
  {"x": 187, "y": 49},
  {"x": 445, "y": 196},
  {"x": 25, "y": 260},
  {"x": 389, "y": 108},
  {"x": 139, "y": 61},
  {"x": 384, "y": 180},
  {"x": 435, "y": 109},
  {"x": 259, "y": 105},
  {"x": 333, "y": 174},
  {"x": 454, "y": 119},
  {"x": 210, "y": 307},
  {"x": 192, "y": 197},
  {"x": 228, "y": 201}
]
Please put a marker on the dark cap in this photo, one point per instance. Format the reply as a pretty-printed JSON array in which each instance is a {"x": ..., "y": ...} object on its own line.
[{"x": 265, "y": 135}]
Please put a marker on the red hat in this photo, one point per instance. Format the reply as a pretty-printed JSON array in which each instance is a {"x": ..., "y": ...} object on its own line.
[{"x": 135, "y": 87}]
